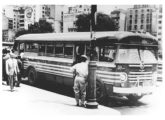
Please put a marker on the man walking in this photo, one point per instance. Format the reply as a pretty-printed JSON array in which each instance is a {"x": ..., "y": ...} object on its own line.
[
  {"x": 12, "y": 70},
  {"x": 81, "y": 71}
]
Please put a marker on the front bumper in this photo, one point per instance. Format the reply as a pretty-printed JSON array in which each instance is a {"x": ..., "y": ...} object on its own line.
[{"x": 134, "y": 90}]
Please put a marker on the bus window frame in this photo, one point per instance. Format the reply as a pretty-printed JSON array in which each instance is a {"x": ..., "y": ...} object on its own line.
[
  {"x": 59, "y": 44},
  {"x": 50, "y": 54},
  {"x": 30, "y": 50},
  {"x": 70, "y": 45},
  {"x": 41, "y": 53}
]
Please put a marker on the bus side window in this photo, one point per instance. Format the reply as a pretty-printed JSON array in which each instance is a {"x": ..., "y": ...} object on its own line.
[
  {"x": 68, "y": 50},
  {"x": 50, "y": 49},
  {"x": 59, "y": 50},
  {"x": 31, "y": 47},
  {"x": 42, "y": 48}
]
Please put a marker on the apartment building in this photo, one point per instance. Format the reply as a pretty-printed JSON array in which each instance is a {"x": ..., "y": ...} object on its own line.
[
  {"x": 70, "y": 16},
  {"x": 159, "y": 22},
  {"x": 119, "y": 16},
  {"x": 7, "y": 26},
  {"x": 141, "y": 18}
]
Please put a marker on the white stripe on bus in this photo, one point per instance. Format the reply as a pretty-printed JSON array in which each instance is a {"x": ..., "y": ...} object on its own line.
[{"x": 62, "y": 71}]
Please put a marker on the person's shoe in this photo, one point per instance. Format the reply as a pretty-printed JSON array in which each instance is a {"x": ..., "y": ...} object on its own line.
[
  {"x": 77, "y": 104},
  {"x": 82, "y": 105},
  {"x": 17, "y": 85}
]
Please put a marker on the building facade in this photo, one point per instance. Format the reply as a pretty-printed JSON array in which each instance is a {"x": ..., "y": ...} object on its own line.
[
  {"x": 141, "y": 18},
  {"x": 7, "y": 29},
  {"x": 119, "y": 16},
  {"x": 24, "y": 15},
  {"x": 71, "y": 16},
  {"x": 159, "y": 23}
]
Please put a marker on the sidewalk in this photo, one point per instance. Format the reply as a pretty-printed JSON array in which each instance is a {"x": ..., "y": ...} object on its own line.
[{"x": 28, "y": 100}]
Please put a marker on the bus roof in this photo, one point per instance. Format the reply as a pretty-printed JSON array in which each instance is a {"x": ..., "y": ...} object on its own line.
[{"x": 83, "y": 36}]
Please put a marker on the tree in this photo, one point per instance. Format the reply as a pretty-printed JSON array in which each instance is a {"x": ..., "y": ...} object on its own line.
[
  {"x": 38, "y": 27},
  {"x": 103, "y": 23}
]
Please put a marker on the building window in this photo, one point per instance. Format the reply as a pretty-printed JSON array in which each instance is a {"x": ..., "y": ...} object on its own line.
[
  {"x": 148, "y": 15},
  {"x": 159, "y": 33},
  {"x": 129, "y": 28},
  {"x": 21, "y": 21},
  {"x": 142, "y": 16},
  {"x": 130, "y": 11},
  {"x": 160, "y": 22},
  {"x": 135, "y": 27},
  {"x": 160, "y": 16},
  {"x": 130, "y": 16},
  {"x": 159, "y": 39},
  {"x": 142, "y": 10},
  {"x": 147, "y": 20},
  {"x": 160, "y": 27},
  {"x": 148, "y": 27},
  {"x": 141, "y": 27},
  {"x": 135, "y": 21},
  {"x": 136, "y": 11},
  {"x": 142, "y": 21},
  {"x": 130, "y": 21}
]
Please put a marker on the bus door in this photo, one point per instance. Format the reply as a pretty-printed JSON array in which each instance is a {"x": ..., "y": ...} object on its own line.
[{"x": 79, "y": 50}]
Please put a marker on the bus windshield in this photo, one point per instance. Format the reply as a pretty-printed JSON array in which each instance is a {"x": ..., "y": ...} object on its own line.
[{"x": 136, "y": 54}]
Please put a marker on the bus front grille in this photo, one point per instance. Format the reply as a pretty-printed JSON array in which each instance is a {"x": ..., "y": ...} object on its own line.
[{"x": 140, "y": 78}]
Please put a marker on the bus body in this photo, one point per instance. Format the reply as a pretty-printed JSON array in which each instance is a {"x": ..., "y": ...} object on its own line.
[{"x": 126, "y": 61}]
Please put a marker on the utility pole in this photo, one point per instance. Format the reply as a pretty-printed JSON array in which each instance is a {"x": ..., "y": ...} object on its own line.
[{"x": 91, "y": 90}]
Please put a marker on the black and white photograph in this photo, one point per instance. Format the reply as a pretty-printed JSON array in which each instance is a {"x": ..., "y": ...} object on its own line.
[{"x": 81, "y": 59}]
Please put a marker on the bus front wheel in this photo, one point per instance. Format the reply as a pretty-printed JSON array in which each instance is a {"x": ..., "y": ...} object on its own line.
[
  {"x": 32, "y": 77},
  {"x": 100, "y": 92}
]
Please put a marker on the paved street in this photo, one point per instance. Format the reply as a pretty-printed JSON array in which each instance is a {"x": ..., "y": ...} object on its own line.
[
  {"x": 148, "y": 105},
  {"x": 37, "y": 103}
]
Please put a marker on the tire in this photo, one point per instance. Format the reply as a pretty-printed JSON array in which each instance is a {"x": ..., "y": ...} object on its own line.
[
  {"x": 32, "y": 76},
  {"x": 100, "y": 92},
  {"x": 134, "y": 98}
]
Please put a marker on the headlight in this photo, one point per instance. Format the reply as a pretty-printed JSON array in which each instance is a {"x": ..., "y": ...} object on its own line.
[{"x": 123, "y": 77}]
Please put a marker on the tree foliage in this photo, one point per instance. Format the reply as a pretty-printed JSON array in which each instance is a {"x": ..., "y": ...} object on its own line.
[
  {"x": 38, "y": 27},
  {"x": 103, "y": 23}
]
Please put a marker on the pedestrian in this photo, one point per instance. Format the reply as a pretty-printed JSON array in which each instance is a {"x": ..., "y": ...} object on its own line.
[
  {"x": 81, "y": 74},
  {"x": 6, "y": 56},
  {"x": 19, "y": 75},
  {"x": 12, "y": 70}
]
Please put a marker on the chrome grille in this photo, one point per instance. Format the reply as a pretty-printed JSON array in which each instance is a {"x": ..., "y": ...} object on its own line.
[{"x": 139, "y": 76}]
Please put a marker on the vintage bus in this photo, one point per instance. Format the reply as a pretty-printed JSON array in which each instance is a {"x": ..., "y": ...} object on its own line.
[{"x": 126, "y": 61}]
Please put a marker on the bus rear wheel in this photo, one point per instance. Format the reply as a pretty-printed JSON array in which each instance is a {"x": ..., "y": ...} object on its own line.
[{"x": 32, "y": 77}]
